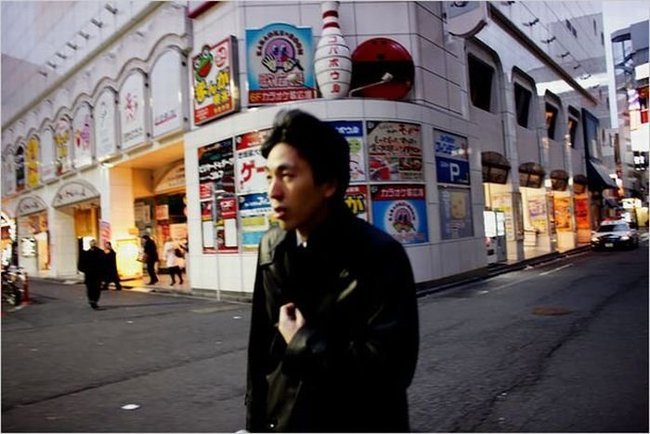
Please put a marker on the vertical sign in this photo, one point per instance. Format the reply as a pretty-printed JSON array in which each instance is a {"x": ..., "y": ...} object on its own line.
[
  {"x": 132, "y": 111},
  {"x": 82, "y": 131},
  {"x": 216, "y": 85},
  {"x": 452, "y": 166},
  {"x": 356, "y": 198},
  {"x": 280, "y": 59},
  {"x": 63, "y": 146},
  {"x": 19, "y": 165},
  {"x": 400, "y": 210},
  {"x": 394, "y": 151},
  {"x": 105, "y": 125},
  {"x": 167, "y": 94},
  {"x": 32, "y": 161}
]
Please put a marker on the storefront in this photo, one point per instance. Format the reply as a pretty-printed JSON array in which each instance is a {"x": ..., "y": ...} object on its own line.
[{"x": 33, "y": 234}]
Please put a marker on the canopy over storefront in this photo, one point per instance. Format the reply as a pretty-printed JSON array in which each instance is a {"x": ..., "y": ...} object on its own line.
[{"x": 598, "y": 175}]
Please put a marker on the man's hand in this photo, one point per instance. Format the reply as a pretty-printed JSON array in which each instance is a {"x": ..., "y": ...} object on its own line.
[{"x": 291, "y": 320}]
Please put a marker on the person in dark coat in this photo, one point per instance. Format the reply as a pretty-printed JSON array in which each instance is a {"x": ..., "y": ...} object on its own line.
[
  {"x": 151, "y": 258},
  {"x": 111, "y": 276},
  {"x": 92, "y": 264},
  {"x": 334, "y": 330}
]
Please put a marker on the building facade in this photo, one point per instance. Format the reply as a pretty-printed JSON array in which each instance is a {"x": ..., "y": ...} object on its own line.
[{"x": 476, "y": 131}]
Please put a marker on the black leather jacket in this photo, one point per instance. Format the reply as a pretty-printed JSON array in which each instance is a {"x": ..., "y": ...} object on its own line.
[{"x": 349, "y": 367}]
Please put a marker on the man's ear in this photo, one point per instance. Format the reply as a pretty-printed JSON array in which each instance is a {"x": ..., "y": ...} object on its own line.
[{"x": 329, "y": 188}]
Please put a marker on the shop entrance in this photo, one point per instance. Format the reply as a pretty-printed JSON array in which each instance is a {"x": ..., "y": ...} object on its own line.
[{"x": 495, "y": 236}]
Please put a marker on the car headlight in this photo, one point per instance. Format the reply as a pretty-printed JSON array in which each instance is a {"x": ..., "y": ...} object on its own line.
[
  {"x": 594, "y": 239},
  {"x": 625, "y": 237}
]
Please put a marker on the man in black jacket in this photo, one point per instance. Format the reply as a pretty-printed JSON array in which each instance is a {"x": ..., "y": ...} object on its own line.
[
  {"x": 150, "y": 250},
  {"x": 92, "y": 264},
  {"x": 334, "y": 330}
]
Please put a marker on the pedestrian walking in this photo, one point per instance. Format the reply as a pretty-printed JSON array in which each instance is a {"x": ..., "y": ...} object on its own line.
[
  {"x": 110, "y": 268},
  {"x": 92, "y": 264},
  {"x": 150, "y": 258},
  {"x": 334, "y": 331},
  {"x": 173, "y": 256}
]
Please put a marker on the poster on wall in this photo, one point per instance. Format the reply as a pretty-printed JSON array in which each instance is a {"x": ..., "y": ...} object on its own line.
[
  {"x": 353, "y": 133},
  {"x": 132, "y": 111},
  {"x": 280, "y": 59},
  {"x": 226, "y": 225},
  {"x": 216, "y": 167},
  {"x": 455, "y": 213},
  {"x": 356, "y": 198},
  {"x": 255, "y": 217},
  {"x": 63, "y": 146},
  {"x": 82, "y": 134},
  {"x": 19, "y": 165},
  {"x": 105, "y": 116},
  {"x": 251, "y": 177},
  {"x": 32, "y": 151},
  {"x": 167, "y": 93},
  {"x": 562, "y": 213},
  {"x": 394, "y": 151},
  {"x": 215, "y": 81},
  {"x": 104, "y": 233},
  {"x": 400, "y": 210},
  {"x": 537, "y": 213},
  {"x": 581, "y": 210}
]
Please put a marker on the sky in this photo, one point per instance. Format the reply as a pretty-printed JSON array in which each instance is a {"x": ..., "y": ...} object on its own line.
[{"x": 619, "y": 14}]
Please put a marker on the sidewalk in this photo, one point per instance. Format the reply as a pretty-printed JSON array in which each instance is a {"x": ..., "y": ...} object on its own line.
[{"x": 163, "y": 286}]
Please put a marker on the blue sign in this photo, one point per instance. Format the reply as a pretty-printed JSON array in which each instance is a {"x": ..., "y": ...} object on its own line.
[{"x": 452, "y": 171}]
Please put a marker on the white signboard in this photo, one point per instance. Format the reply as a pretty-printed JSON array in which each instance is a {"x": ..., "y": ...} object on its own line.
[
  {"x": 132, "y": 111},
  {"x": 105, "y": 126},
  {"x": 82, "y": 140},
  {"x": 166, "y": 94}
]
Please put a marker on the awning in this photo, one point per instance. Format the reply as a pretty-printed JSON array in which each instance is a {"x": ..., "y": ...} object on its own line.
[{"x": 598, "y": 175}]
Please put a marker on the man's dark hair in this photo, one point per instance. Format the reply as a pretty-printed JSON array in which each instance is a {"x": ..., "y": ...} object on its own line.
[{"x": 326, "y": 151}]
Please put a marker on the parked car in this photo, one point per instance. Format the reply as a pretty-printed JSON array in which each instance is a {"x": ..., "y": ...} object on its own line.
[{"x": 613, "y": 234}]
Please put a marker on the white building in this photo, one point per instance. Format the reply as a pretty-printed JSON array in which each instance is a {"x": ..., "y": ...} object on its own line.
[{"x": 478, "y": 126}]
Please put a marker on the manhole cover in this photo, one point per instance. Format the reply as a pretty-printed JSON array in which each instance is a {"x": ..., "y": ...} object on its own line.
[{"x": 551, "y": 311}]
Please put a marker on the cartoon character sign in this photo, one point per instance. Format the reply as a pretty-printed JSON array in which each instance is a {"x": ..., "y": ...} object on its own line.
[
  {"x": 280, "y": 64},
  {"x": 400, "y": 210}
]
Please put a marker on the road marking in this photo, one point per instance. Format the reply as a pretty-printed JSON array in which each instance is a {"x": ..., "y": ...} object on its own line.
[{"x": 545, "y": 273}]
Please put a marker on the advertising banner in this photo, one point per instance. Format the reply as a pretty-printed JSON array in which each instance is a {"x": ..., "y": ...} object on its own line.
[
  {"x": 132, "y": 111},
  {"x": 353, "y": 133},
  {"x": 455, "y": 213},
  {"x": 394, "y": 151},
  {"x": 216, "y": 167},
  {"x": 537, "y": 213},
  {"x": 400, "y": 210},
  {"x": 581, "y": 210},
  {"x": 166, "y": 79},
  {"x": 356, "y": 198},
  {"x": 82, "y": 130},
  {"x": 254, "y": 211},
  {"x": 47, "y": 155},
  {"x": 63, "y": 149},
  {"x": 280, "y": 59},
  {"x": 562, "y": 213},
  {"x": 105, "y": 126},
  {"x": 251, "y": 177},
  {"x": 32, "y": 162},
  {"x": 226, "y": 225},
  {"x": 452, "y": 166},
  {"x": 215, "y": 79}
]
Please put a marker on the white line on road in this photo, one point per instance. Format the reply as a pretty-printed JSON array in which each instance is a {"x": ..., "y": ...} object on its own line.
[{"x": 555, "y": 269}]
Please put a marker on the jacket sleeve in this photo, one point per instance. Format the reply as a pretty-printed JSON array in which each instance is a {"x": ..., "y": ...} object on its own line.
[
  {"x": 385, "y": 348},
  {"x": 257, "y": 353}
]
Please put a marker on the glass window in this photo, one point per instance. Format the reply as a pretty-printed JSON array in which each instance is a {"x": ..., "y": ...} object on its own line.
[
  {"x": 551, "y": 120},
  {"x": 480, "y": 83},
  {"x": 522, "y": 104}
]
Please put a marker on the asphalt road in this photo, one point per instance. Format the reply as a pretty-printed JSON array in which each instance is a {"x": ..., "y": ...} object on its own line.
[{"x": 561, "y": 347}]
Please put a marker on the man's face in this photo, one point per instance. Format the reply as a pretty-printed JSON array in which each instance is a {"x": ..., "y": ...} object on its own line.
[{"x": 297, "y": 202}]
